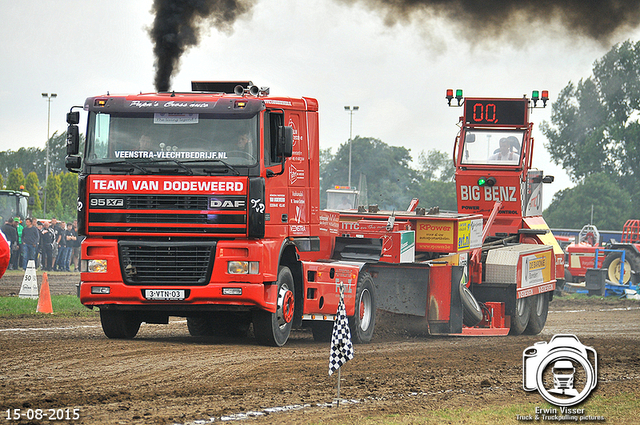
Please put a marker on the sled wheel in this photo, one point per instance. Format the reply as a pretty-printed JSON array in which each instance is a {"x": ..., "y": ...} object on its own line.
[
  {"x": 520, "y": 318},
  {"x": 274, "y": 328},
  {"x": 119, "y": 324},
  {"x": 539, "y": 308},
  {"x": 363, "y": 322},
  {"x": 471, "y": 310},
  {"x": 613, "y": 264}
]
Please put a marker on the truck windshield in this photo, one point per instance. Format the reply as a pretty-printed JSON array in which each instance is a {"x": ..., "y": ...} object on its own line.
[
  {"x": 492, "y": 147},
  {"x": 176, "y": 137}
]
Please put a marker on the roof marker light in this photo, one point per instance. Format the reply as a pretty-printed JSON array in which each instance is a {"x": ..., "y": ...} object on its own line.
[
  {"x": 449, "y": 96},
  {"x": 545, "y": 97}
]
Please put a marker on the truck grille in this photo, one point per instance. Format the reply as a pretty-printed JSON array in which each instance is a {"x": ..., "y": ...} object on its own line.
[
  {"x": 166, "y": 202},
  {"x": 113, "y": 215},
  {"x": 166, "y": 263}
]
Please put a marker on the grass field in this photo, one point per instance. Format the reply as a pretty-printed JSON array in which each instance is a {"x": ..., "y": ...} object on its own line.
[
  {"x": 618, "y": 409},
  {"x": 63, "y": 305}
]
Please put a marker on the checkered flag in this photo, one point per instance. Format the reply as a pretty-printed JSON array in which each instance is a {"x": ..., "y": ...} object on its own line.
[{"x": 341, "y": 346}]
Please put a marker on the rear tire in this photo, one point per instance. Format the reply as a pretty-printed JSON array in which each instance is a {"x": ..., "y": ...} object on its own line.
[
  {"x": 119, "y": 324},
  {"x": 520, "y": 317},
  {"x": 199, "y": 326},
  {"x": 322, "y": 331},
  {"x": 539, "y": 309},
  {"x": 274, "y": 328},
  {"x": 222, "y": 324},
  {"x": 363, "y": 322}
]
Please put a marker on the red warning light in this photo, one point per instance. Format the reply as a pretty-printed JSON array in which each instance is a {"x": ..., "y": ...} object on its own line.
[{"x": 449, "y": 96}]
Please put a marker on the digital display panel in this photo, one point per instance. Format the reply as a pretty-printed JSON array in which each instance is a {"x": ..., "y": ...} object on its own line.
[{"x": 495, "y": 111}]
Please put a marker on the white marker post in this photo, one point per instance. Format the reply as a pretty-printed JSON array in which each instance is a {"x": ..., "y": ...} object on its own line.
[{"x": 29, "y": 288}]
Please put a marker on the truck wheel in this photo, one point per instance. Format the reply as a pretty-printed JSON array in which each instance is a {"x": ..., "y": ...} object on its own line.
[
  {"x": 613, "y": 263},
  {"x": 363, "y": 322},
  {"x": 322, "y": 331},
  {"x": 520, "y": 318},
  {"x": 119, "y": 324},
  {"x": 223, "y": 324},
  {"x": 471, "y": 311},
  {"x": 274, "y": 328},
  {"x": 539, "y": 308},
  {"x": 199, "y": 326}
]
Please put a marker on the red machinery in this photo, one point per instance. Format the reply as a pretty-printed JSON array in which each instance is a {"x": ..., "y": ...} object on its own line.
[
  {"x": 621, "y": 260},
  {"x": 205, "y": 205},
  {"x": 494, "y": 177}
]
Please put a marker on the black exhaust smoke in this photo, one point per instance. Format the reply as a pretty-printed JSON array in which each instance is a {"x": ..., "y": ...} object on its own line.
[
  {"x": 177, "y": 23},
  {"x": 598, "y": 20},
  {"x": 177, "y": 27}
]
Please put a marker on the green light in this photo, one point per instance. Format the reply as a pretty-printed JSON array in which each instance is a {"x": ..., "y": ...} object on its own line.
[
  {"x": 458, "y": 93},
  {"x": 486, "y": 181},
  {"x": 535, "y": 95}
]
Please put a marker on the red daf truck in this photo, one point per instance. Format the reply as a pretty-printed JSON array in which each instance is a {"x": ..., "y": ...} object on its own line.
[{"x": 205, "y": 205}]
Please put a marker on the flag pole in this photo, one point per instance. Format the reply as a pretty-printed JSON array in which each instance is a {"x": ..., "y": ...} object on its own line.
[
  {"x": 339, "y": 369},
  {"x": 341, "y": 346}
]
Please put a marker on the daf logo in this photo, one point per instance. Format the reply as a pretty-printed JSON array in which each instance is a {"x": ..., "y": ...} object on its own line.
[{"x": 222, "y": 203}]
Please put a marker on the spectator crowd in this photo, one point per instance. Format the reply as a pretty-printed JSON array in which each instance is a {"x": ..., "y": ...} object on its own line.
[{"x": 52, "y": 244}]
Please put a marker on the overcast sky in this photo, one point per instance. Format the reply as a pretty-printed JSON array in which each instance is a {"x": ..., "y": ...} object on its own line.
[{"x": 339, "y": 54}]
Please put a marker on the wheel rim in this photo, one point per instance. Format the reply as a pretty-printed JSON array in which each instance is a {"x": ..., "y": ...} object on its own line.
[
  {"x": 365, "y": 309},
  {"x": 286, "y": 304},
  {"x": 614, "y": 271}
]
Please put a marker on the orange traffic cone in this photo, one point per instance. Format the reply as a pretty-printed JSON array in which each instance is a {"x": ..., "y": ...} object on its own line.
[{"x": 44, "y": 301}]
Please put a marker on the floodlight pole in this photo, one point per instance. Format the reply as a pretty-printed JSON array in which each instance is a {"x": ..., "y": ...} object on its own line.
[
  {"x": 351, "y": 110},
  {"x": 48, "y": 97}
]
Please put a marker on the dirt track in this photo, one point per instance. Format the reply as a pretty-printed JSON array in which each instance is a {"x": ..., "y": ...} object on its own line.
[{"x": 164, "y": 376}]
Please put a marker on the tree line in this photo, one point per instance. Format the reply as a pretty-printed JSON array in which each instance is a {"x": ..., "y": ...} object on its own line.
[
  {"x": 25, "y": 169},
  {"x": 594, "y": 133}
]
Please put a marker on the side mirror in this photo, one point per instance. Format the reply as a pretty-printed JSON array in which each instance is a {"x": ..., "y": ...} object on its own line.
[
  {"x": 73, "y": 163},
  {"x": 73, "y": 118},
  {"x": 285, "y": 141},
  {"x": 73, "y": 140},
  {"x": 548, "y": 179}
]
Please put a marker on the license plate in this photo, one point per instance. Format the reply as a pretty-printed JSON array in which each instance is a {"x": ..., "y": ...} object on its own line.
[{"x": 164, "y": 294}]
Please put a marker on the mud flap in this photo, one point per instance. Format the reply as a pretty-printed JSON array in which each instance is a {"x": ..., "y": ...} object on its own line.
[{"x": 439, "y": 321}]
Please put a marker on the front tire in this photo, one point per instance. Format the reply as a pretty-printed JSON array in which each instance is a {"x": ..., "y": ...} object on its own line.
[
  {"x": 274, "y": 328},
  {"x": 539, "y": 309},
  {"x": 363, "y": 322},
  {"x": 520, "y": 317},
  {"x": 119, "y": 324}
]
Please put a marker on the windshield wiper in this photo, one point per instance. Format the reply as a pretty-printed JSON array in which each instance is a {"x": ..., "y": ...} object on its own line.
[
  {"x": 209, "y": 161},
  {"x": 230, "y": 167},
  {"x": 125, "y": 162},
  {"x": 178, "y": 163}
]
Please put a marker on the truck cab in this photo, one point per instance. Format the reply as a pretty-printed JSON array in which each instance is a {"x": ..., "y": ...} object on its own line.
[{"x": 192, "y": 204}]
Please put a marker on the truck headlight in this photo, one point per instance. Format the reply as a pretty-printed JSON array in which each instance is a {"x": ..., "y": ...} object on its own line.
[
  {"x": 93, "y": 266},
  {"x": 243, "y": 267}
]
